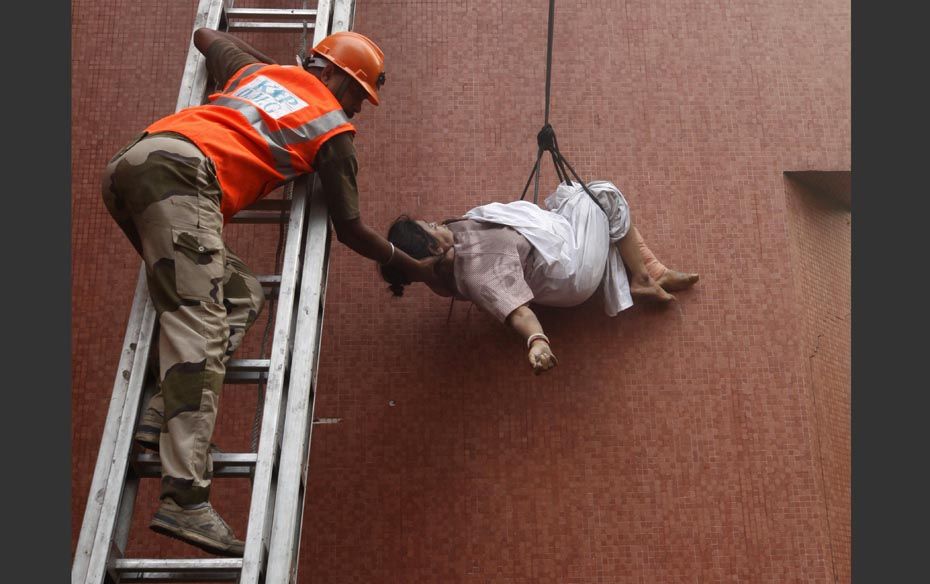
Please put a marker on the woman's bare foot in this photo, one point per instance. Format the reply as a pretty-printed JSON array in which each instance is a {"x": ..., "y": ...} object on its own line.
[
  {"x": 672, "y": 281},
  {"x": 648, "y": 290}
]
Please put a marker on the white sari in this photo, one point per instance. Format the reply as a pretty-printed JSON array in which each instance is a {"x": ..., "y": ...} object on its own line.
[{"x": 572, "y": 240}]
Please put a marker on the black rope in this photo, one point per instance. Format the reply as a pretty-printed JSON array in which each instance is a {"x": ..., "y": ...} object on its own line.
[
  {"x": 533, "y": 173},
  {"x": 546, "y": 140},
  {"x": 451, "y": 304},
  {"x": 558, "y": 159},
  {"x": 548, "y": 87},
  {"x": 549, "y": 58}
]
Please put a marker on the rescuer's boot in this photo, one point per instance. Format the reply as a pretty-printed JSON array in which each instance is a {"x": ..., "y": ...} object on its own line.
[
  {"x": 199, "y": 525},
  {"x": 149, "y": 428}
]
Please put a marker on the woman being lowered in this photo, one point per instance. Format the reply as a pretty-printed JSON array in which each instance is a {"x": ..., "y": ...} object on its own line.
[{"x": 504, "y": 256}]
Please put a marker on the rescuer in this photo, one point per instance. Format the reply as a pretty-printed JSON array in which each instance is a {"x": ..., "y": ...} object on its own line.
[{"x": 171, "y": 189}]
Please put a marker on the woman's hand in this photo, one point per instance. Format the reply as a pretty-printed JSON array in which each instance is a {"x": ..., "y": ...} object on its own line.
[
  {"x": 541, "y": 356},
  {"x": 524, "y": 322}
]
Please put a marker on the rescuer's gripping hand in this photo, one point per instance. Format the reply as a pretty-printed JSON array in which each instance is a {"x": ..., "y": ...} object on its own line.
[
  {"x": 427, "y": 270},
  {"x": 541, "y": 357}
]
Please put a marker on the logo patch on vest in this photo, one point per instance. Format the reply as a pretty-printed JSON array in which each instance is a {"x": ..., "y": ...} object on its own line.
[{"x": 270, "y": 97}]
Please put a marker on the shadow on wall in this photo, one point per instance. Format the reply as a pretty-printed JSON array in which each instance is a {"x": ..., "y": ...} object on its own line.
[
  {"x": 819, "y": 228},
  {"x": 828, "y": 185}
]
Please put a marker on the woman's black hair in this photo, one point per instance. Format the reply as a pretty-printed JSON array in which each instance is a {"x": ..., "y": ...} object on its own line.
[{"x": 413, "y": 240}]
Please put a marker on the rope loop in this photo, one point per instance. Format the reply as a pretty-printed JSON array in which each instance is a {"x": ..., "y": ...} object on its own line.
[{"x": 546, "y": 139}]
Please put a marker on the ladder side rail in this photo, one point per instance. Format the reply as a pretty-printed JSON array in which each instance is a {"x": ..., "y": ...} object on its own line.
[
  {"x": 262, "y": 504},
  {"x": 131, "y": 487},
  {"x": 110, "y": 432},
  {"x": 211, "y": 17},
  {"x": 139, "y": 331},
  {"x": 288, "y": 511},
  {"x": 106, "y": 525},
  {"x": 284, "y": 545},
  {"x": 194, "y": 80},
  {"x": 343, "y": 15},
  {"x": 303, "y": 484},
  {"x": 262, "y": 500},
  {"x": 124, "y": 513},
  {"x": 324, "y": 17}
]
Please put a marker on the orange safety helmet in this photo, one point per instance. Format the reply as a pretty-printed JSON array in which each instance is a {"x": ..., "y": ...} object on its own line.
[{"x": 358, "y": 56}]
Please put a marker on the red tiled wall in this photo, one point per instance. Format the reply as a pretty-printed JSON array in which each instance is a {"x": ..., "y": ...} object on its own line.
[
  {"x": 674, "y": 445},
  {"x": 820, "y": 245}
]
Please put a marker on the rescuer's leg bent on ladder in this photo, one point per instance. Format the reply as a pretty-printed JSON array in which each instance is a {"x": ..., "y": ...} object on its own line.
[{"x": 164, "y": 193}]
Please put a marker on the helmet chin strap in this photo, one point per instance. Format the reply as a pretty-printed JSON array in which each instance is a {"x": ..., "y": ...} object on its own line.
[
  {"x": 313, "y": 61},
  {"x": 342, "y": 87},
  {"x": 310, "y": 62}
]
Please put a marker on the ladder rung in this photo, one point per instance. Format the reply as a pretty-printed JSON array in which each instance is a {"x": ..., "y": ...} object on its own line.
[
  {"x": 243, "y": 371},
  {"x": 178, "y": 570},
  {"x": 271, "y": 12},
  {"x": 270, "y": 205},
  {"x": 250, "y": 216},
  {"x": 248, "y": 365},
  {"x": 271, "y": 285},
  {"x": 245, "y": 378},
  {"x": 264, "y": 211},
  {"x": 269, "y": 26},
  {"x": 225, "y": 464}
]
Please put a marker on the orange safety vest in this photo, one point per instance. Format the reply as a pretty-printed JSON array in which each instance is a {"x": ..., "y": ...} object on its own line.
[{"x": 262, "y": 130}]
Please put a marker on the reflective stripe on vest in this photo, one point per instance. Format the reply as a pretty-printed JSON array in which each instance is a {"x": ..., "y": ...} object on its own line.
[
  {"x": 245, "y": 73},
  {"x": 267, "y": 135},
  {"x": 278, "y": 140}
]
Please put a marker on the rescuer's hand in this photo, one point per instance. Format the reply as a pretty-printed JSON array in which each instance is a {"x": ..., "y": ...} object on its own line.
[
  {"x": 427, "y": 270},
  {"x": 541, "y": 356}
]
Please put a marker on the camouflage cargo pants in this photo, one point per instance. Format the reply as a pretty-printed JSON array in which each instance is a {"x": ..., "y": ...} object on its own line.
[{"x": 163, "y": 193}]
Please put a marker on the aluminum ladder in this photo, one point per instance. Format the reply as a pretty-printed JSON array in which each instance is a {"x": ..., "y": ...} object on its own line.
[{"x": 279, "y": 468}]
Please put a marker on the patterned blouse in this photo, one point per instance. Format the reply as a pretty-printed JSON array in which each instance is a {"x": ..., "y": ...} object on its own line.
[{"x": 491, "y": 267}]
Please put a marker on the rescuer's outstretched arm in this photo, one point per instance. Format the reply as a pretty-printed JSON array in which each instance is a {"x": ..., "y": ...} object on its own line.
[
  {"x": 367, "y": 242},
  {"x": 204, "y": 37}
]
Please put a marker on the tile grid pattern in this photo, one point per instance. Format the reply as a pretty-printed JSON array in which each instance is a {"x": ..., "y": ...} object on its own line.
[
  {"x": 820, "y": 242},
  {"x": 672, "y": 445}
]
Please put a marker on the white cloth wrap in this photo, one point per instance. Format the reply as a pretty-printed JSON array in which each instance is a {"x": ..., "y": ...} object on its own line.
[{"x": 572, "y": 241}]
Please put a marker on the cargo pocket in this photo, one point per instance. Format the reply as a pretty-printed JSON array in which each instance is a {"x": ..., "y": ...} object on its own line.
[{"x": 199, "y": 264}]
